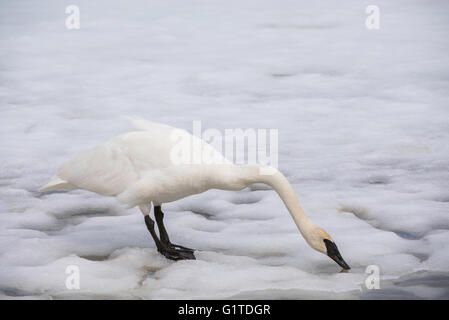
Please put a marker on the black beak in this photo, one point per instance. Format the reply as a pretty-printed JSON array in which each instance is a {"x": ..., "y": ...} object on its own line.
[{"x": 334, "y": 254}]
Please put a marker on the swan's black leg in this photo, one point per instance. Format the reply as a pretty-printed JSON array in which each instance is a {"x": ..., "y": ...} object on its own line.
[
  {"x": 159, "y": 215},
  {"x": 150, "y": 226},
  {"x": 167, "y": 251}
]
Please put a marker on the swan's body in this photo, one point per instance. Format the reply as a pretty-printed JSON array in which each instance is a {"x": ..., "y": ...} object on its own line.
[
  {"x": 144, "y": 166},
  {"x": 134, "y": 158}
]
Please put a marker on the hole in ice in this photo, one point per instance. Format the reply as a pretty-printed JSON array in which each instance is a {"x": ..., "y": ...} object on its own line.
[
  {"x": 75, "y": 217},
  {"x": 13, "y": 292},
  {"x": 204, "y": 214},
  {"x": 87, "y": 212},
  {"x": 407, "y": 235},
  {"x": 442, "y": 199},
  {"x": 378, "y": 180},
  {"x": 149, "y": 272},
  {"x": 421, "y": 256},
  {"x": 281, "y": 75},
  {"x": 94, "y": 257}
]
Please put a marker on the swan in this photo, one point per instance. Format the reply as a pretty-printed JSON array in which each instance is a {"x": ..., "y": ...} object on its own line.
[{"x": 143, "y": 167}]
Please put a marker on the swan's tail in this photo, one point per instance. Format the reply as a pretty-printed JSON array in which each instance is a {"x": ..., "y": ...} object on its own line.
[{"x": 56, "y": 183}]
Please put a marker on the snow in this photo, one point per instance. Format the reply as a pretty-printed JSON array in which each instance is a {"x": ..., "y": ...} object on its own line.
[{"x": 363, "y": 129}]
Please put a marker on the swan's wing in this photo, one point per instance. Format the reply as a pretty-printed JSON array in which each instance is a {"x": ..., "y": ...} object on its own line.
[
  {"x": 169, "y": 140},
  {"x": 110, "y": 168},
  {"x": 105, "y": 169},
  {"x": 162, "y": 146}
]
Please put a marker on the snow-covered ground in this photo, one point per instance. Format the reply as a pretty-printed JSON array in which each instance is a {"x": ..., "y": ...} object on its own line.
[{"x": 363, "y": 124}]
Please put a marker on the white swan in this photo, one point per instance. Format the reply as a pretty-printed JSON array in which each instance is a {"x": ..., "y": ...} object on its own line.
[{"x": 143, "y": 167}]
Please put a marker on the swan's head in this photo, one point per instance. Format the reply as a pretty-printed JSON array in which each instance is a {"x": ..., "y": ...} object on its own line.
[{"x": 321, "y": 241}]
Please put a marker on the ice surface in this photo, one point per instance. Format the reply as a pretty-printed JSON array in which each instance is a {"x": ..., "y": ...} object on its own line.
[{"x": 363, "y": 129}]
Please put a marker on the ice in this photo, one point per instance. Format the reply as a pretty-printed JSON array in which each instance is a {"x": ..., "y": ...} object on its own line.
[{"x": 363, "y": 129}]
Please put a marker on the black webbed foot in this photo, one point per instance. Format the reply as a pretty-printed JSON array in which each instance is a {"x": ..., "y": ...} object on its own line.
[
  {"x": 180, "y": 248},
  {"x": 174, "y": 254}
]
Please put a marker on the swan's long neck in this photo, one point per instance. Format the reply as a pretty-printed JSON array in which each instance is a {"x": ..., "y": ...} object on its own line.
[{"x": 272, "y": 177}]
